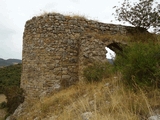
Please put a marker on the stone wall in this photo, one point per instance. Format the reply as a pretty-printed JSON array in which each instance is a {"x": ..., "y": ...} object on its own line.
[{"x": 56, "y": 49}]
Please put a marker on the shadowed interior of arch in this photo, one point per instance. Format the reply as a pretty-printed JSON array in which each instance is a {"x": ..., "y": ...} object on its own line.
[{"x": 113, "y": 49}]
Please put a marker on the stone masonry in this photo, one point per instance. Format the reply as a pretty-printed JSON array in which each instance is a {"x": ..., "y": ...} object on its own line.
[{"x": 56, "y": 48}]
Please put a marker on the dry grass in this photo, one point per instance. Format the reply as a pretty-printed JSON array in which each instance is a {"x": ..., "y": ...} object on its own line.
[
  {"x": 68, "y": 16},
  {"x": 106, "y": 100},
  {"x": 76, "y": 16},
  {"x": 45, "y": 13}
]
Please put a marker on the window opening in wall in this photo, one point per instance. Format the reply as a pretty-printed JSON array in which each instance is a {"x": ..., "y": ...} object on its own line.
[{"x": 110, "y": 55}]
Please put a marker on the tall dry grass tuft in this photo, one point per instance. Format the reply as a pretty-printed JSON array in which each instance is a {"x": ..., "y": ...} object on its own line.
[{"x": 105, "y": 100}]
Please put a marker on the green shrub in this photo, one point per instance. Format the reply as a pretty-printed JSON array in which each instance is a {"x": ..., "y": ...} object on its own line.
[
  {"x": 97, "y": 71},
  {"x": 14, "y": 97},
  {"x": 140, "y": 64},
  {"x": 3, "y": 105}
]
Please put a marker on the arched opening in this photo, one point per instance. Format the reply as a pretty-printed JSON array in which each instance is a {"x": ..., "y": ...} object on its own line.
[{"x": 113, "y": 49}]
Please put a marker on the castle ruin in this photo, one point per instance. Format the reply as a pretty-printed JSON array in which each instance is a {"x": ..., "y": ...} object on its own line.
[{"x": 56, "y": 48}]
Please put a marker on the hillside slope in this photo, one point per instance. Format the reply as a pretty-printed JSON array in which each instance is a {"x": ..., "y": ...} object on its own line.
[{"x": 106, "y": 100}]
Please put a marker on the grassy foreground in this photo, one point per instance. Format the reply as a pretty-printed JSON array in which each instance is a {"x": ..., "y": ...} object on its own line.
[{"x": 105, "y": 100}]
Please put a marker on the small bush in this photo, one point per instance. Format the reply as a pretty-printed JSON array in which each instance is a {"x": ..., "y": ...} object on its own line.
[
  {"x": 3, "y": 105},
  {"x": 97, "y": 71},
  {"x": 140, "y": 64}
]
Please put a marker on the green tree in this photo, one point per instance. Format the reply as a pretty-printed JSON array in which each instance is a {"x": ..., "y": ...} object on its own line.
[{"x": 142, "y": 15}]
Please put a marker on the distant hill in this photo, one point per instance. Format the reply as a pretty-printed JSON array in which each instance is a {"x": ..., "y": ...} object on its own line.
[{"x": 9, "y": 62}]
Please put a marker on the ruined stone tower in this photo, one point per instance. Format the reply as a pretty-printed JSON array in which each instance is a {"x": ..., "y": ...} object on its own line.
[{"x": 56, "y": 48}]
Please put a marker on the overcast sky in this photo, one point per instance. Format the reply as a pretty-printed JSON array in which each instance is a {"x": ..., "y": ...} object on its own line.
[{"x": 14, "y": 14}]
